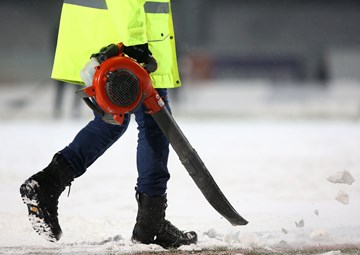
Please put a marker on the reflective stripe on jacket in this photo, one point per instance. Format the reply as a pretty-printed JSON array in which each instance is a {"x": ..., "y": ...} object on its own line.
[{"x": 88, "y": 25}]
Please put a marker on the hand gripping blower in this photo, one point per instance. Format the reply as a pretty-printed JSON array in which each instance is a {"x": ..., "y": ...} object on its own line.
[{"x": 117, "y": 84}]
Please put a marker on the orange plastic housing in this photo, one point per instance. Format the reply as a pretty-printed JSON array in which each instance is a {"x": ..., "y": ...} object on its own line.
[{"x": 147, "y": 94}]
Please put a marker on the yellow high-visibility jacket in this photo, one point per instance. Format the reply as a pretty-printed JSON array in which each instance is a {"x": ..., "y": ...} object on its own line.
[{"x": 88, "y": 25}]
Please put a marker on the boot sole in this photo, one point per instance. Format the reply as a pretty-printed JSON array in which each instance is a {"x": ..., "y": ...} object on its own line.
[
  {"x": 189, "y": 238},
  {"x": 28, "y": 192}
]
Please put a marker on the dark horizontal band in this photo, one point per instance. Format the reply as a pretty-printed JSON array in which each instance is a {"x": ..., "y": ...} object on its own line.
[
  {"x": 156, "y": 7},
  {"x": 98, "y": 4}
]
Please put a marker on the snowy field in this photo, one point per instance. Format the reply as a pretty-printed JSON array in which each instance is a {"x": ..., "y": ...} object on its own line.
[{"x": 275, "y": 173}]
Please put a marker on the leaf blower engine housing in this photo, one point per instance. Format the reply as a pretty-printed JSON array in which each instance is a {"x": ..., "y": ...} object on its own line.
[{"x": 118, "y": 85}]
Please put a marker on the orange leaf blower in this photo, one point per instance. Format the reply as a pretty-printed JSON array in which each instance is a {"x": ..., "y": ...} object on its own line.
[{"x": 118, "y": 85}]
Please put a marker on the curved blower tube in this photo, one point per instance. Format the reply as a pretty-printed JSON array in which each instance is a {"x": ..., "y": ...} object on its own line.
[
  {"x": 196, "y": 167},
  {"x": 119, "y": 79}
]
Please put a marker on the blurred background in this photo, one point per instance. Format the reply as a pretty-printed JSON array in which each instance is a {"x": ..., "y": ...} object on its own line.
[
  {"x": 270, "y": 99},
  {"x": 244, "y": 59}
]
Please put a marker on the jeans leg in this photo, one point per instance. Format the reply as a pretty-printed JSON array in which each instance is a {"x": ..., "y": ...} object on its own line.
[
  {"x": 91, "y": 142},
  {"x": 152, "y": 153}
]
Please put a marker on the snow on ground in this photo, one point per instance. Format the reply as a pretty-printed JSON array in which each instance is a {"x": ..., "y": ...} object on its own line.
[{"x": 273, "y": 172}]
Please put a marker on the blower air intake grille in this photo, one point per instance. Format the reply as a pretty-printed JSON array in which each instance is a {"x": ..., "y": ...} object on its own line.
[{"x": 122, "y": 87}]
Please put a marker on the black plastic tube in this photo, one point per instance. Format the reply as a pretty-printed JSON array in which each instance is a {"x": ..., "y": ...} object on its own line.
[{"x": 196, "y": 167}]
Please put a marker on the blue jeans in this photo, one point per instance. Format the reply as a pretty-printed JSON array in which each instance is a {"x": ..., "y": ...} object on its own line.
[{"x": 152, "y": 149}]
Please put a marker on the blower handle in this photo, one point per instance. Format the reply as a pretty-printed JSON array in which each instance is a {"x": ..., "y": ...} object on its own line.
[
  {"x": 113, "y": 50},
  {"x": 109, "y": 51},
  {"x": 151, "y": 64}
]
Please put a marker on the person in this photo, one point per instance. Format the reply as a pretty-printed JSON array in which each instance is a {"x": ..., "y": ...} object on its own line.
[{"x": 146, "y": 28}]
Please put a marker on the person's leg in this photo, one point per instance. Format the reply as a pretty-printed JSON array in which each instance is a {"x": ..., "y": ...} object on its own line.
[
  {"x": 152, "y": 158},
  {"x": 91, "y": 142},
  {"x": 41, "y": 191},
  {"x": 152, "y": 153}
]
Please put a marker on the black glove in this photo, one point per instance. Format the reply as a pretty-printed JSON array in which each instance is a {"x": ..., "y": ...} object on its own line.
[
  {"x": 139, "y": 52},
  {"x": 143, "y": 55}
]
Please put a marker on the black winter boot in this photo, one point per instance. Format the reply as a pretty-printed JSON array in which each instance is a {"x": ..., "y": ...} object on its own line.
[
  {"x": 152, "y": 228},
  {"x": 41, "y": 193}
]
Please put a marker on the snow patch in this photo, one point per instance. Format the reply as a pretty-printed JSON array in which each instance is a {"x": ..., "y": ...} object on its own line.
[
  {"x": 191, "y": 247},
  {"x": 342, "y": 197},
  {"x": 319, "y": 235},
  {"x": 331, "y": 253},
  {"x": 343, "y": 177},
  {"x": 232, "y": 237},
  {"x": 300, "y": 223},
  {"x": 212, "y": 233}
]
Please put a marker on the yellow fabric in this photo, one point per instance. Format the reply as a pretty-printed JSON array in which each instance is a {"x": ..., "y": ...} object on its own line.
[
  {"x": 129, "y": 20},
  {"x": 84, "y": 30}
]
